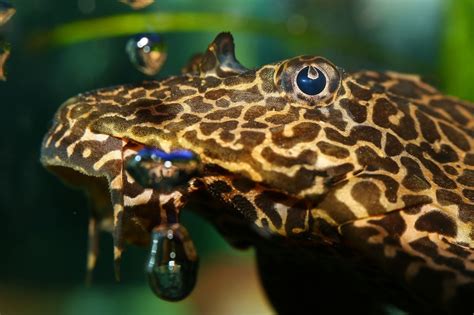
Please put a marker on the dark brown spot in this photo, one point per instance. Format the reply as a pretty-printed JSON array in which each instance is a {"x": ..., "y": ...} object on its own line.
[
  {"x": 414, "y": 178},
  {"x": 445, "y": 153},
  {"x": 437, "y": 222},
  {"x": 438, "y": 175},
  {"x": 219, "y": 187},
  {"x": 466, "y": 214},
  {"x": 467, "y": 178},
  {"x": 198, "y": 105},
  {"x": 267, "y": 205},
  {"x": 307, "y": 157},
  {"x": 415, "y": 200},
  {"x": 296, "y": 217},
  {"x": 226, "y": 136},
  {"x": 250, "y": 139},
  {"x": 333, "y": 150},
  {"x": 392, "y": 145},
  {"x": 255, "y": 112},
  {"x": 428, "y": 127},
  {"x": 469, "y": 194},
  {"x": 215, "y": 94},
  {"x": 391, "y": 185},
  {"x": 266, "y": 77},
  {"x": 243, "y": 184},
  {"x": 425, "y": 246},
  {"x": 303, "y": 179},
  {"x": 383, "y": 109},
  {"x": 141, "y": 93},
  {"x": 332, "y": 116},
  {"x": 338, "y": 210},
  {"x": 356, "y": 111},
  {"x": 245, "y": 207},
  {"x": 275, "y": 103},
  {"x": 358, "y": 133},
  {"x": 368, "y": 158},
  {"x": 451, "y": 108},
  {"x": 446, "y": 197},
  {"x": 359, "y": 92},
  {"x": 368, "y": 194},
  {"x": 455, "y": 136},
  {"x": 222, "y": 103},
  {"x": 207, "y": 127},
  {"x": 233, "y": 112},
  {"x": 283, "y": 119},
  {"x": 186, "y": 121},
  {"x": 324, "y": 229},
  {"x": 177, "y": 93},
  {"x": 409, "y": 89},
  {"x": 254, "y": 125},
  {"x": 249, "y": 95},
  {"x": 367, "y": 133},
  {"x": 243, "y": 78},
  {"x": 450, "y": 170},
  {"x": 303, "y": 132},
  {"x": 458, "y": 250},
  {"x": 334, "y": 135},
  {"x": 393, "y": 223},
  {"x": 338, "y": 173},
  {"x": 469, "y": 159}
]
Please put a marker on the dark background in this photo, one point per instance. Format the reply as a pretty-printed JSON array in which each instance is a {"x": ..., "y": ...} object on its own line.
[{"x": 43, "y": 224}]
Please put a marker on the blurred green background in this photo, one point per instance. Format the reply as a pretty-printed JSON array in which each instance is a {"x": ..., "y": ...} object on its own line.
[{"x": 43, "y": 224}]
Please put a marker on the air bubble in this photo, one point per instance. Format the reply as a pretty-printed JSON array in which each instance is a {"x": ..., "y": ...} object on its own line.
[
  {"x": 173, "y": 262},
  {"x": 147, "y": 52},
  {"x": 153, "y": 168}
]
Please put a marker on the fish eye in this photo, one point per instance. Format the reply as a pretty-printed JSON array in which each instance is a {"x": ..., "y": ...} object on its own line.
[{"x": 311, "y": 80}]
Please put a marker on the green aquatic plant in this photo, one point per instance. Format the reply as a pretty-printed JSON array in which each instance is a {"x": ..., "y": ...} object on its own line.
[
  {"x": 457, "y": 49},
  {"x": 186, "y": 22}
]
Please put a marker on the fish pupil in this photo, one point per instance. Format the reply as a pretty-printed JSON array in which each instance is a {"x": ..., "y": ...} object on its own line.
[{"x": 311, "y": 81}]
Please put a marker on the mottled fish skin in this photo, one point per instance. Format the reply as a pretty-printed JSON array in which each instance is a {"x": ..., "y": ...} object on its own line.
[{"x": 380, "y": 162}]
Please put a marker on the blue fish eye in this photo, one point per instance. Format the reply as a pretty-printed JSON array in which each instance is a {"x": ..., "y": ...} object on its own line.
[{"x": 311, "y": 83}]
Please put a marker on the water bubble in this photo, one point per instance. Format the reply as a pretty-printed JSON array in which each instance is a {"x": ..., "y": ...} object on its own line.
[
  {"x": 147, "y": 52},
  {"x": 173, "y": 262},
  {"x": 138, "y": 4},
  {"x": 4, "y": 54},
  {"x": 6, "y": 11},
  {"x": 153, "y": 168}
]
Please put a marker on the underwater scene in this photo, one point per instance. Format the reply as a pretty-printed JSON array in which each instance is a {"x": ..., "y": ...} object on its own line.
[{"x": 237, "y": 157}]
